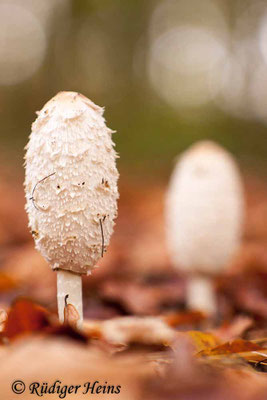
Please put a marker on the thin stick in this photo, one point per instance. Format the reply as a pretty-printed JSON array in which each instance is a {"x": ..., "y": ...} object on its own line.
[
  {"x": 102, "y": 235},
  {"x": 69, "y": 287},
  {"x": 35, "y": 186},
  {"x": 66, "y": 300}
]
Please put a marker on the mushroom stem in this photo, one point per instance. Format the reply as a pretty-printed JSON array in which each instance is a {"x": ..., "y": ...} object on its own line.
[
  {"x": 69, "y": 283},
  {"x": 201, "y": 295}
]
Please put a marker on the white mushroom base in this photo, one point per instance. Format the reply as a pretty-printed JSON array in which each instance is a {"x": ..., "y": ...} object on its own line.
[
  {"x": 69, "y": 283},
  {"x": 200, "y": 294}
]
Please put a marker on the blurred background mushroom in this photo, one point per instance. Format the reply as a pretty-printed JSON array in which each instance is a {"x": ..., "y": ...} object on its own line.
[{"x": 204, "y": 219}]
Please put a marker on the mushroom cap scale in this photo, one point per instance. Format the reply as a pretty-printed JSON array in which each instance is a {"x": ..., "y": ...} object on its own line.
[
  {"x": 71, "y": 182},
  {"x": 204, "y": 209}
]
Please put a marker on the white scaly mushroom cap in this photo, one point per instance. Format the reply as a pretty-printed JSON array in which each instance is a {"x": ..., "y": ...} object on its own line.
[
  {"x": 204, "y": 209},
  {"x": 71, "y": 182}
]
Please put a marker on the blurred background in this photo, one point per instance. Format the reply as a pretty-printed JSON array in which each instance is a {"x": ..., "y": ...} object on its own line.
[{"x": 168, "y": 72}]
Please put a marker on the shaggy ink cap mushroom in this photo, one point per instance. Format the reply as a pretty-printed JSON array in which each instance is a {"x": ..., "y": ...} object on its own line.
[
  {"x": 204, "y": 212},
  {"x": 71, "y": 189},
  {"x": 71, "y": 163}
]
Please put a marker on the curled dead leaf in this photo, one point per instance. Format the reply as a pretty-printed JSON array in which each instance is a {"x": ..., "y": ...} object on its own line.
[
  {"x": 235, "y": 328},
  {"x": 141, "y": 330},
  {"x": 71, "y": 315}
]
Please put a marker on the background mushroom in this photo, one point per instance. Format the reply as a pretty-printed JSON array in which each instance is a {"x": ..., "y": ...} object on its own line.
[
  {"x": 204, "y": 217},
  {"x": 71, "y": 190}
]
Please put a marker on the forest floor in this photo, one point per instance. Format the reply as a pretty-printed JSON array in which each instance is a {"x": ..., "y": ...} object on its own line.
[{"x": 137, "y": 332}]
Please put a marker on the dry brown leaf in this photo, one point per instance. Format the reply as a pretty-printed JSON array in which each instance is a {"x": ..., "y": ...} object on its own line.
[
  {"x": 235, "y": 346},
  {"x": 203, "y": 341},
  {"x": 143, "y": 298},
  {"x": 183, "y": 318},
  {"x": 141, "y": 330},
  {"x": 25, "y": 317},
  {"x": 3, "y": 319},
  {"x": 71, "y": 315},
  {"x": 92, "y": 329},
  {"x": 66, "y": 332},
  {"x": 233, "y": 329}
]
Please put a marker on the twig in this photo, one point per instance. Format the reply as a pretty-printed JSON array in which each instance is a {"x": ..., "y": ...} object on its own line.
[
  {"x": 66, "y": 298},
  {"x": 102, "y": 235},
  {"x": 35, "y": 186}
]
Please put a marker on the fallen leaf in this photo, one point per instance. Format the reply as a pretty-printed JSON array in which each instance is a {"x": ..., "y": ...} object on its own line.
[
  {"x": 144, "y": 298},
  {"x": 66, "y": 332},
  {"x": 183, "y": 318},
  {"x": 3, "y": 319},
  {"x": 25, "y": 317},
  {"x": 92, "y": 329},
  {"x": 233, "y": 329},
  {"x": 141, "y": 330},
  {"x": 203, "y": 341},
  {"x": 235, "y": 346},
  {"x": 71, "y": 315}
]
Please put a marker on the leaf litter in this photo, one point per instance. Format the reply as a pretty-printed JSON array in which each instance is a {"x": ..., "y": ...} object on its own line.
[{"x": 137, "y": 330}]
